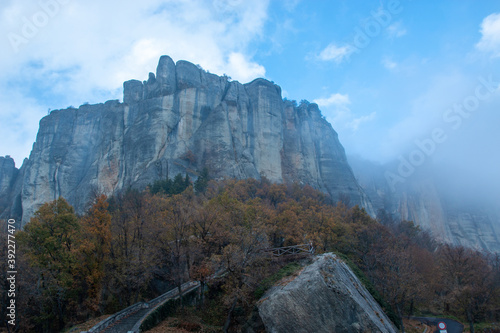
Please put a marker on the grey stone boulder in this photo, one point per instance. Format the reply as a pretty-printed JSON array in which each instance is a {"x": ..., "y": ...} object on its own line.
[{"x": 326, "y": 297}]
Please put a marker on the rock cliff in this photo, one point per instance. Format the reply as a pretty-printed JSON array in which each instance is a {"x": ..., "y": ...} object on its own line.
[
  {"x": 421, "y": 198},
  {"x": 10, "y": 188},
  {"x": 8, "y": 174},
  {"x": 181, "y": 120},
  {"x": 325, "y": 297}
]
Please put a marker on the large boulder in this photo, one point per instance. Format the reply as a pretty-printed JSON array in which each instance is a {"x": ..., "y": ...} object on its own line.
[{"x": 327, "y": 297}]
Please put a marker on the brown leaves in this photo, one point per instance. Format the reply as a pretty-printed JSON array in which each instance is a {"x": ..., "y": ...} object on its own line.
[
  {"x": 134, "y": 241},
  {"x": 467, "y": 281},
  {"x": 94, "y": 249}
]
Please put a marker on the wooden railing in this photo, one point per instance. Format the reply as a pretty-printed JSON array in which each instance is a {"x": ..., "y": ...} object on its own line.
[{"x": 294, "y": 249}]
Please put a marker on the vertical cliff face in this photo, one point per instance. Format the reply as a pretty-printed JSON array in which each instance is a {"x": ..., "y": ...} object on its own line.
[
  {"x": 422, "y": 199},
  {"x": 77, "y": 152},
  {"x": 458, "y": 222},
  {"x": 181, "y": 120},
  {"x": 10, "y": 188},
  {"x": 8, "y": 174},
  {"x": 313, "y": 154}
]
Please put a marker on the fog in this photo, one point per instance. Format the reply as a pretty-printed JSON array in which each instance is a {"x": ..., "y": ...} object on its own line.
[
  {"x": 458, "y": 150},
  {"x": 468, "y": 165},
  {"x": 385, "y": 99}
]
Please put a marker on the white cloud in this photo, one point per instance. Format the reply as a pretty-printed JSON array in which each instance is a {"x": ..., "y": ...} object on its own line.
[
  {"x": 20, "y": 117},
  {"x": 83, "y": 51},
  {"x": 290, "y": 5},
  {"x": 425, "y": 112},
  {"x": 336, "y": 53},
  {"x": 243, "y": 70},
  {"x": 490, "y": 39},
  {"x": 354, "y": 124},
  {"x": 388, "y": 63},
  {"x": 334, "y": 99},
  {"x": 337, "y": 111},
  {"x": 396, "y": 30}
]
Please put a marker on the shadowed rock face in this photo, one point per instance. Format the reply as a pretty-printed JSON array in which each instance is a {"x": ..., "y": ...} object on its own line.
[
  {"x": 10, "y": 188},
  {"x": 8, "y": 173},
  {"x": 181, "y": 120},
  {"x": 325, "y": 297}
]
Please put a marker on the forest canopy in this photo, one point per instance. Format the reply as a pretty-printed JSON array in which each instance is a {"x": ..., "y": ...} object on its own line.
[{"x": 138, "y": 244}]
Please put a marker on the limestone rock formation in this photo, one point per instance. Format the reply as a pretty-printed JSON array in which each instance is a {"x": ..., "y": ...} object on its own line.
[
  {"x": 181, "y": 120},
  {"x": 8, "y": 173},
  {"x": 10, "y": 188},
  {"x": 325, "y": 297},
  {"x": 420, "y": 198}
]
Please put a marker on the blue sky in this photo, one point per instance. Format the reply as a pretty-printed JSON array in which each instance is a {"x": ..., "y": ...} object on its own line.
[{"x": 385, "y": 73}]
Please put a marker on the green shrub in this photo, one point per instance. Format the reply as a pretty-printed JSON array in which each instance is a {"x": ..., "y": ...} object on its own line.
[{"x": 267, "y": 283}]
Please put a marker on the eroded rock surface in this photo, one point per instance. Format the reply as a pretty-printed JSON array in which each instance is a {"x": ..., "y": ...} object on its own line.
[
  {"x": 325, "y": 297},
  {"x": 181, "y": 120},
  {"x": 10, "y": 188}
]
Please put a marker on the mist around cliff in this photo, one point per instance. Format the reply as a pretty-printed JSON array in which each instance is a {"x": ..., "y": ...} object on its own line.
[
  {"x": 414, "y": 62},
  {"x": 137, "y": 245},
  {"x": 450, "y": 137}
]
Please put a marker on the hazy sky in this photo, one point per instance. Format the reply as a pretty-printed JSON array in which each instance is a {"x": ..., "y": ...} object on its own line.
[{"x": 391, "y": 76}]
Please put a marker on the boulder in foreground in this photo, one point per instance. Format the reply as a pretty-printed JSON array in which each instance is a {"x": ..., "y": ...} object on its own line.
[{"x": 326, "y": 296}]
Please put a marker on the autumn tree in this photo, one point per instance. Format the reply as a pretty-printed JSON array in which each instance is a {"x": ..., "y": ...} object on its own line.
[
  {"x": 136, "y": 245},
  {"x": 371, "y": 242},
  {"x": 398, "y": 278},
  {"x": 210, "y": 233},
  {"x": 171, "y": 219},
  {"x": 468, "y": 282},
  {"x": 321, "y": 226},
  {"x": 94, "y": 250},
  {"x": 242, "y": 258},
  {"x": 130, "y": 261},
  {"x": 50, "y": 242},
  {"x": 177, "y": 230}
]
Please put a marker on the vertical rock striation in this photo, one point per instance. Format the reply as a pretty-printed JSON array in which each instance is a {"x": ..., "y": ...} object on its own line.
[
  {"x": 8, "y": 175},
  {"x": 181, "y": 120},
  {"x": 10, "y": 188}
]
